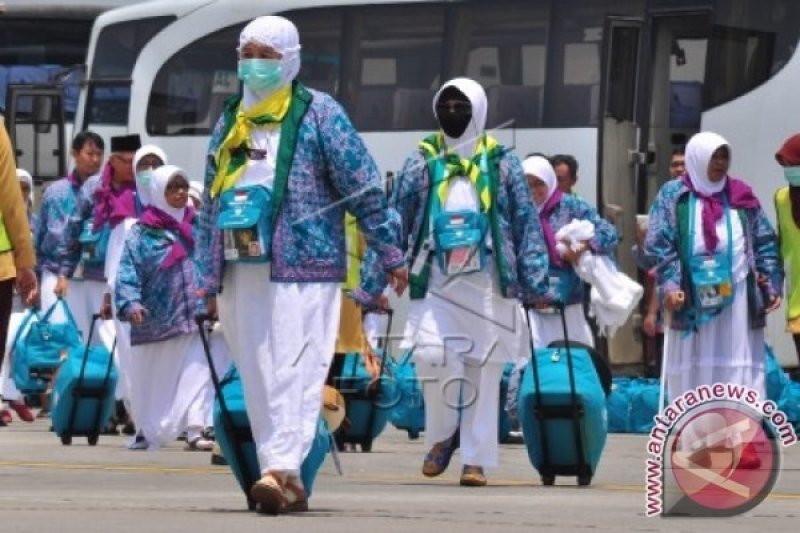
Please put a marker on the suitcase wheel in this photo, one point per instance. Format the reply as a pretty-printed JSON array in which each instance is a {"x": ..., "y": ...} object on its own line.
[
  {"x": 584, "y": 481},
  {"x": 413, "y": 435},
  {"x": 548, "y": 481},
  {"x": 93, "y": 439},
  {"x": 366, "y": 446},
  {"x": 251, "y": 504},
  {"x": 66, "y": 440}
]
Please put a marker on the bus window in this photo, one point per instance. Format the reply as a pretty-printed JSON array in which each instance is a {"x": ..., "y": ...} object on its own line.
[
  {"x": 191, "y": 87},
  {"x": 573, "y": 74},
  {"x": 117, "y": 48},
  {"x": 505, "y": 51},
  {"x": 398, "y": 67},
  {"x": 751, "y": 41},
  {"x": 27, "y": 58}
]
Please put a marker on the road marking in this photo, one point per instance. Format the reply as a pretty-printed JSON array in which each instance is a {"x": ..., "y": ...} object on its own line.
[{"x": 216, "y": 470}]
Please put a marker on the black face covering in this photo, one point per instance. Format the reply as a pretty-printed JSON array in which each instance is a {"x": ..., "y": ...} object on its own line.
[{"x": 454, "y": 112}]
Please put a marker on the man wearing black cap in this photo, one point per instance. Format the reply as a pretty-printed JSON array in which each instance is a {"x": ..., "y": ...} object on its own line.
[{"x": 107, "y": 207}]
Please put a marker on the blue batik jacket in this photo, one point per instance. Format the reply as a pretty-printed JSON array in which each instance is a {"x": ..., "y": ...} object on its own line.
[
  {"x": 56, "y": 251},
  {"x": 661, "y": 248},
  {"x": 330, "y": 171},
  {"x": 519, "y": 250},
  {"x": 167, "y": 295},
  {"x": 606, "y": 237}
]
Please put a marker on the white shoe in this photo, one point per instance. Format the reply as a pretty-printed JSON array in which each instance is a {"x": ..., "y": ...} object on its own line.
[{"x": 199, "y": 444}]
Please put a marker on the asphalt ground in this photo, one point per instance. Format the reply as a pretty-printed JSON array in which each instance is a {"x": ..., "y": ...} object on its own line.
[{"x": 46, "y": 487}]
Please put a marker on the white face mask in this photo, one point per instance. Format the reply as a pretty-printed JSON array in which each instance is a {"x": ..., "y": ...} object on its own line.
[{"x": 144, "y": 177}]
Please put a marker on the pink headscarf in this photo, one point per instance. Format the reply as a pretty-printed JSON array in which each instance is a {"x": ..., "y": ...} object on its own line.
[{"x": 112, "y": 204}]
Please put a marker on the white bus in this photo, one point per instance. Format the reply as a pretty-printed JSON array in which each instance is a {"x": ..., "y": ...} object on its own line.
[
  {"x": 616, "y": 83},
  {"x": 44, "y": 42}
]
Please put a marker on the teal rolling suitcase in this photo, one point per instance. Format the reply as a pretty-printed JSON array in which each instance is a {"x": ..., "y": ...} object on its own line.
[{"x": 562, "y": 409}]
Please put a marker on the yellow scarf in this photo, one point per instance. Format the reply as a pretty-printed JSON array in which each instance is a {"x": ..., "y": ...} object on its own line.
[{"x": 230, "y": 158}]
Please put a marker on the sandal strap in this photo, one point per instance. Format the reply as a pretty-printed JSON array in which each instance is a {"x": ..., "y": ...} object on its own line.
[{"x": 293, "y": 493}]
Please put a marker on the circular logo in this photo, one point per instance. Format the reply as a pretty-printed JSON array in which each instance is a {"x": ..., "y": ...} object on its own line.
[{"x": 724, "y": 461}]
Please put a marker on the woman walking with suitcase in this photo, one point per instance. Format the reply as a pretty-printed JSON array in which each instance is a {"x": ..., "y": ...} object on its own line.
[
  {"x": 156, "y": 292},
  {"x": 556, "y": 210},
  {"x": 464, "y": 195},
  {"x": 283, "y": 165}
]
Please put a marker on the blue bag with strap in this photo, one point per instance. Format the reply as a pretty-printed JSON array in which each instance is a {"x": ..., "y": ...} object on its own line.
[
  {"x": 459, "y": 238},
  {"x": 409, "y": 412},
  {"x": 41, "y": 349},
  {"x": 94, "y": 245},
  {"x": 245, "y": 219},
  {"x": 711, "y": 273}
]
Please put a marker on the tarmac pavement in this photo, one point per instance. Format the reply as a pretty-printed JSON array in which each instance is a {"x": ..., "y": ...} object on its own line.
[{"x": 107, "y": 488}]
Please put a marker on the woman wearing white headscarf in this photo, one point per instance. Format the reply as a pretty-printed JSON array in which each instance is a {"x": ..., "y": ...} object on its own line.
[
  {"x": 704, "y": 225},
  {"x": 145, "y": 160},
  {"x": 556, "y": 210},
  {"x": 156, "y": 292},
  {"x": 281, "y": 276},
  {"x": 463, "y": 321}
]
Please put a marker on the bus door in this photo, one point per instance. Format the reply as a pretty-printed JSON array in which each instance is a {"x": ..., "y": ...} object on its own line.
[
  {"x": 653, "y": 85},
  {"x": 35, "y": 122},
  {"x": 619, "y": 138}
]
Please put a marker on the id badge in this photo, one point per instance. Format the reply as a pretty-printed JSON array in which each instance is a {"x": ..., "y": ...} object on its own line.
[
  {"x": 242, "y": 242},
  {"x": 713, "y": 285},
  {"x": 462, "y": 260}
]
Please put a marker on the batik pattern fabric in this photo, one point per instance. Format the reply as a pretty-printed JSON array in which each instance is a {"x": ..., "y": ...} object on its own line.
[
  {"x": 604, "y": 242},
  {"x": 331, "y": 172},
  {"x": 56, "y": 252},
  {"x": 83, "y": 213},
  {"x": 167, "y": 295},
  {"x": 662, "y": 249},
  {"x": 523, "y": 269}
]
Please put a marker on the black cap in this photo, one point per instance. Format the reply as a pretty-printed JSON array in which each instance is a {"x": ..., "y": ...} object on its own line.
[{"x": 126, "y": 143}]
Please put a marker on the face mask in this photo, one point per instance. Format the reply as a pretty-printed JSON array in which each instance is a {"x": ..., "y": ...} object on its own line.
[
  {"x": 144, "y": 178},
  {"x": 454, "y": 120},
  {"x": 260, "y": 75},
  {"x": 792, "y": 175}
]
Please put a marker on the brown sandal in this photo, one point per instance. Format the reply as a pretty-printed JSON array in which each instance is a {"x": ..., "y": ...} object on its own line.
[
  {"x": 295, "y": 496},
  {"x": 268, "y": 493}
]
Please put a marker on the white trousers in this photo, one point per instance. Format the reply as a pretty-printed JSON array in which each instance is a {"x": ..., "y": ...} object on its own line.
[
  {"x": 8, "y": 389},
  {"x": 461, "y": 392},
  {"x": 169, "y": 387},
  {"x": 282, "y": 337},
  {"x": 47, "y": 298},
  {"x": 122, "y": 358},
  {"x": 85, "y": 297},
  {"x": 547, "y": 327}
]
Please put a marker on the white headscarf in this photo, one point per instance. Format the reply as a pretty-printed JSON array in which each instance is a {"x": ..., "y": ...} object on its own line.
[
  {"x": 196, "y": 189},
  {"x": 698, "y": 155},
  {"x": 142, "y": 186},
  {"x": 24, "y": 176},
  {"x": 540, "y": 167},
  {"x": 278, "y": 33},
  {"x": 158, "y": 188},
  {"x": 465, "y": 145}
]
